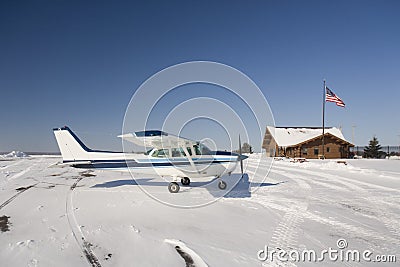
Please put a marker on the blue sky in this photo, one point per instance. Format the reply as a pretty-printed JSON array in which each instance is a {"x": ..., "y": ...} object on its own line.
[{"x": 78, "y": 63}]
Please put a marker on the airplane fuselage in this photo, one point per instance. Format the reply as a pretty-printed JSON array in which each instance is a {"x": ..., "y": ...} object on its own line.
[{"x": 175, "y": 162}]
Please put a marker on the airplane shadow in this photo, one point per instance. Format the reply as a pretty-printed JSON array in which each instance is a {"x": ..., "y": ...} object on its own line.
[
  {"x": 117, "y": 183},
  {"x": 142, "y": 182},
  {"x": 266, "y": 184},
  {"x": 240, "y": 190}
]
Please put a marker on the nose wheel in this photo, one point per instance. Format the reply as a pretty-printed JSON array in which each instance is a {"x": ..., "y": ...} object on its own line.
[
  {"x": 173, "y": 187},
  {"x": 222, "y": 185}
]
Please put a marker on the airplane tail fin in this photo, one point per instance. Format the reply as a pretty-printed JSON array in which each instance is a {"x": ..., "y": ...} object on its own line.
[{"x": 71, "y": 147}]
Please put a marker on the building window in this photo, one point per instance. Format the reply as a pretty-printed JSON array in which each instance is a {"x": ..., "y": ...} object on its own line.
[
  {"x": 304, "y": 151},
  {"x": 328, "y": 149},
  {"x": 316, "y": 151}
]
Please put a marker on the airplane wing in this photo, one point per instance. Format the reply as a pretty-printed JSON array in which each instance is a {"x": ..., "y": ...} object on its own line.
[{"x": 157, "y": 139}]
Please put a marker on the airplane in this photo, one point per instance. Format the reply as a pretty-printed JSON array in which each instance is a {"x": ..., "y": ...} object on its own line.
[{"x": 170, "y": 156}]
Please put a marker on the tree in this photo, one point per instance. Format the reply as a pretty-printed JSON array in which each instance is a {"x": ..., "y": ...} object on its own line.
[
  {"x": 373, "y": 150},
  {"x": 246, "y": 148}
]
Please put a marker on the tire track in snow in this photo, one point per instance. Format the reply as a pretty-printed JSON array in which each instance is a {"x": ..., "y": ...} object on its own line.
[
  {"x": 390, "y": 220},
  {"x": 21, "y": 189},
  {"x": 335, "y": 224},
  {"x": 349, "y": 229},
  {"x": 21, "y": 173},
  {"x": 76, "y": 230},
  {"x": 285, "y": 234},
  {"x": 351, "y": 183},
  {"x": 355, "y": 231},
  {"x": 17, "y": 175},
  {"x": 385, "y": 216},
  {"x": 320, "y": 182},
  {"x": 18, "y": 162},
  {"x": 8, "y": 201}
]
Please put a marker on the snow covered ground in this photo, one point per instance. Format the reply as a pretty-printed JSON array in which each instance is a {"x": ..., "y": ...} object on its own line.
[{"x": 60, "y": 216}]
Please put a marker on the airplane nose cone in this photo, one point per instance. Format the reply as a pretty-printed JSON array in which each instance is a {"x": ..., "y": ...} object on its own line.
[{"x": 242, "y": 157}]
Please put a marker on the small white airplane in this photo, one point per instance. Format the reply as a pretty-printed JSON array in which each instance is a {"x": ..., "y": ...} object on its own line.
[{"x": 170, "y": 156}]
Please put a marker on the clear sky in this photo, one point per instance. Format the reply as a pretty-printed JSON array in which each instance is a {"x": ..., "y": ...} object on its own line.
[{"x": 78, "y": 63}]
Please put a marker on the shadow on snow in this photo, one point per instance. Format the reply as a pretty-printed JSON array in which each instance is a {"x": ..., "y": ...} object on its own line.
[{"x": 240, "y": 190}]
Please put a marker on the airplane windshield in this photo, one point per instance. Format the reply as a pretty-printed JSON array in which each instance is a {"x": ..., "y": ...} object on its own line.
[{"x": 204, "y": 150}]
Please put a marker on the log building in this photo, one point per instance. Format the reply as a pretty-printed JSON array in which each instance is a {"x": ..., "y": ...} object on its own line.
[{"x": 305, "y": 142}]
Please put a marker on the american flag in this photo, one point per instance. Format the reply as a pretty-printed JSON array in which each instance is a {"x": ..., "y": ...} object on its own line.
[{"x": 331, "y": 97}]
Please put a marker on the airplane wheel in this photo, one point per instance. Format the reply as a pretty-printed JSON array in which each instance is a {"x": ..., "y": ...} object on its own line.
[
  {"x": 173, "y": 187},
  {"x": 221, "y": 185},
  {"x": 185, "y": 181}
]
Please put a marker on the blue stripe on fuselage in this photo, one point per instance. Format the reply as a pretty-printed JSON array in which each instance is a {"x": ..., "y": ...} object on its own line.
[{"x": 111, "y": 164}]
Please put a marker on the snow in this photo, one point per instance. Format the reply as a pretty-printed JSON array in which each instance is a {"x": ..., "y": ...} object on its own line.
[
  {"x": 286, "y": 137},
  {"x": 61, "y": 216},
  {"x": 15, "y": 154},
  {"x": 191, "y": 256}
]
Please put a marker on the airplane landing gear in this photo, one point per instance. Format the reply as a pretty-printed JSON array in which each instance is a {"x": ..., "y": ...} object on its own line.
[
  {"x": 185, "y": 181},
  {"x": 173, "y": 187},
  {"x": 221, "y": 185}
]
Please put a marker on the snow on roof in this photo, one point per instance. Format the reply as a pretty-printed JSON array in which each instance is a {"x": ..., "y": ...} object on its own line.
[{"x": 286, "y": 136}]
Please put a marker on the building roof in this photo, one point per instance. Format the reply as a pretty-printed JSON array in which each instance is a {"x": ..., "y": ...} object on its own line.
[{"x": 291, "y": 136}]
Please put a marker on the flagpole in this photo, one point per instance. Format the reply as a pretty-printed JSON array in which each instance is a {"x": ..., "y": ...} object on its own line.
[{"x": 323, "y": 121}]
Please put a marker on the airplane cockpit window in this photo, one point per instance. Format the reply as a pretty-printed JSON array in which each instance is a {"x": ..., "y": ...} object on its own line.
[
  {"x": 177, "y": 152},
  {"x": 161, "y": 153},
  {"x": 197, "y": 150}
]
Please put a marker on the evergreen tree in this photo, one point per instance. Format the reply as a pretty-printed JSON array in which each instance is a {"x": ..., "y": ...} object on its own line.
[
  {"x": 373, "y": 150},
  {"x": 246, "y": 148}
]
